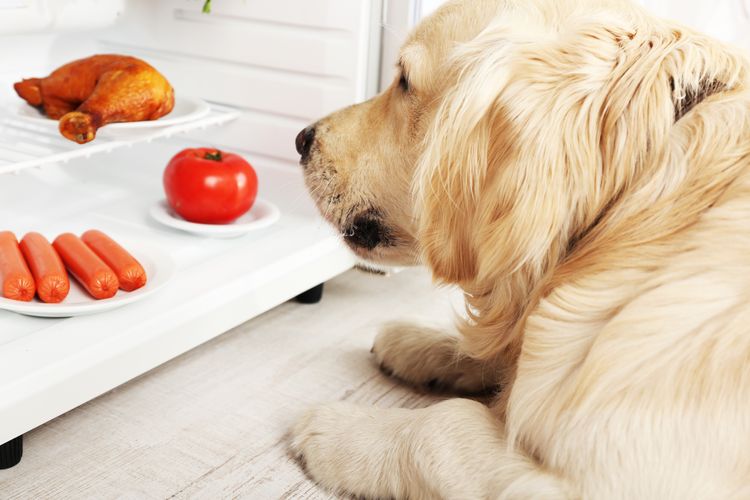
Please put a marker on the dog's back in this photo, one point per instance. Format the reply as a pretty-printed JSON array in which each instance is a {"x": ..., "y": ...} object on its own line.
[{"x": 634, "y": 379}]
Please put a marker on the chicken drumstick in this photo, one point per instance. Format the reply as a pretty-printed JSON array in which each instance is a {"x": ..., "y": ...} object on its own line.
[{"x": 90, "y": 93}]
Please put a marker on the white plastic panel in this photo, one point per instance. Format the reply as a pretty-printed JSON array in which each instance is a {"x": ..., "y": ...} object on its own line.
[
  {"x": 24, "y": 16},
  {"x": 246, "y": 41},
  {"x": 85, "y": 15},
  {"x": 247, "y": 87},
  {"x": 17, "y": 16},
  {"x": 267, "y": 135}
]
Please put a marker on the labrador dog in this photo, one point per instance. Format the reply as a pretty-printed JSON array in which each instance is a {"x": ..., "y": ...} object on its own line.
[{"x": 581, "y": 170}]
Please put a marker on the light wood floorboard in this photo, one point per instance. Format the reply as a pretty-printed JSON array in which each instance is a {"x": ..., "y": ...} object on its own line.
[{"x": 213, "y": 423}]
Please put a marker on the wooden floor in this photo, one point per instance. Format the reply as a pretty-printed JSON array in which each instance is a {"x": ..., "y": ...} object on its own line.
[{"x": 212, "y": 424}]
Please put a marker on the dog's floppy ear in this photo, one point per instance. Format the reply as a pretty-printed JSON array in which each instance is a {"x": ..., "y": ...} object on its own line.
[
  {"x": 539, "y": 137},
  {"x": 509, "y": 158},
  {"x": 455, "y": 162}
]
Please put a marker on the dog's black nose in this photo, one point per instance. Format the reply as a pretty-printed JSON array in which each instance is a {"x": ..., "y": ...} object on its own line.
[
  {"x": 366, "y": 232},
  {"x": 305, "y": 141}
]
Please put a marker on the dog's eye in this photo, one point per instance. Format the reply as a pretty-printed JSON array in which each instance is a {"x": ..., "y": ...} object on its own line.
[{"x": 403, "y": 83}]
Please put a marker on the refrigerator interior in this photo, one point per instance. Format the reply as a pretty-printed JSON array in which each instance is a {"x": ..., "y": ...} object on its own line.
[{"x": 268, "y": 69}]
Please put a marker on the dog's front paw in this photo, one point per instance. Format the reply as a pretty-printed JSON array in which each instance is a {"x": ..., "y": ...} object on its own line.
[
  {"x": 348, "y": 449},
  {"x": 428, "y": 358}
]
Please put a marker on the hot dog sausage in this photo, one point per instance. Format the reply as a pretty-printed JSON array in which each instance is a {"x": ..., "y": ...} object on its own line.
[
  {"x": 86, "y": 267},
  {"x": 15, "y": 277},
  {"x": 52, "y": 284},
  {"x": 129, "y": 271}
]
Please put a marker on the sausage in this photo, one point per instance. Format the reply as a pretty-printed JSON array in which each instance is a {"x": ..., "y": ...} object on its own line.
[
  {"x": 86, "y": 267},
  {"x": 15, "y": 277},
  {"x": 129, "y": 271},
  {"x": 52, "y": 284}
]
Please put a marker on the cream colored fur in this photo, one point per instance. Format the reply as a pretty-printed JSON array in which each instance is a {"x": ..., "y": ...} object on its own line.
[{"x": 549, "y": 161}]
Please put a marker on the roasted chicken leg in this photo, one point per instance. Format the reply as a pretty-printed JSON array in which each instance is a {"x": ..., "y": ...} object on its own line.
[{"x": 90, "y": 93}]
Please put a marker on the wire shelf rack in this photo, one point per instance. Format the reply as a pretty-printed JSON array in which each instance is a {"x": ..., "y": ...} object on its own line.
[{"x": 26, "y": 144}]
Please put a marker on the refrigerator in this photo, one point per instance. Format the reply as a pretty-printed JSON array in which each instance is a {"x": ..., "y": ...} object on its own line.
[{"x": 265, "y": 69}]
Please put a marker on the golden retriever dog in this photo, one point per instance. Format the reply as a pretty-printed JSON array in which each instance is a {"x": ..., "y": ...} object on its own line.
[{"x": 581, "y": 170}]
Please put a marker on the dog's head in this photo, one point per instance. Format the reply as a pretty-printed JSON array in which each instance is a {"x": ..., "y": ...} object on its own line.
[
  {"x": 360, "y": 162},
  {"x": 509, "y": 132}
]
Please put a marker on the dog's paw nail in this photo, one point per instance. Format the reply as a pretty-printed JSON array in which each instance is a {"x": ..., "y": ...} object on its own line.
[
  {"x": 433, "y": 384},
  {"x": 372, "y": 350},
  {"x": 386, "y": 370}
]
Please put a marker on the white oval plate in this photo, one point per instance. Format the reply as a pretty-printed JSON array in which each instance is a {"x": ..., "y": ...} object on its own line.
[
  {"x": 185, "y": 109},
  {"x": 261, "y": 215},
  {"x": 159, "y": 269}
]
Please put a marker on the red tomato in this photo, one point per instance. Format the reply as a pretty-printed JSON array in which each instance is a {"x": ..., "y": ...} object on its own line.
[{"x": 209, "y": 186}]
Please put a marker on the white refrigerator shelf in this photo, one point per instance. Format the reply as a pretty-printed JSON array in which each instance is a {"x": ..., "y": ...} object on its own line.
[
  {"x": 26, "y": 144},
  {"x": 49, "y": 366}
]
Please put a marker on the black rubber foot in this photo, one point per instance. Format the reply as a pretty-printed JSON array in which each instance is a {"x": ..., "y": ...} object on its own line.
[
  {"x": 312, "y": 296},
  {"x": 11, "y": 453}
]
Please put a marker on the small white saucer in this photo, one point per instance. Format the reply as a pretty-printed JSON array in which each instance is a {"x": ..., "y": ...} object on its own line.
[{"x": 261, "y": 215}]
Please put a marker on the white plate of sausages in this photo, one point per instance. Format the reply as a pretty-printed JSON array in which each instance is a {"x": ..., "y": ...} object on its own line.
[{"x": 159, "y": 268}]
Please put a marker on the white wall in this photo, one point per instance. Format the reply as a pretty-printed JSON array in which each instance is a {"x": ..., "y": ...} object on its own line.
[
  {"x": 728, "y": 20},
  {"x": 428, "y": 6}
]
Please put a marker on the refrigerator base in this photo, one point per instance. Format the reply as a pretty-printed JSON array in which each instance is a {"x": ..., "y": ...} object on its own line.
[
  {"x": 312, "y": 296},
  {"x": 11, "y": 453}
]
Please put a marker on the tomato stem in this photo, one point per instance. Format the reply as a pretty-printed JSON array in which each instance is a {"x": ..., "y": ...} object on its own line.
[{"x": 213, "y": 155}]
